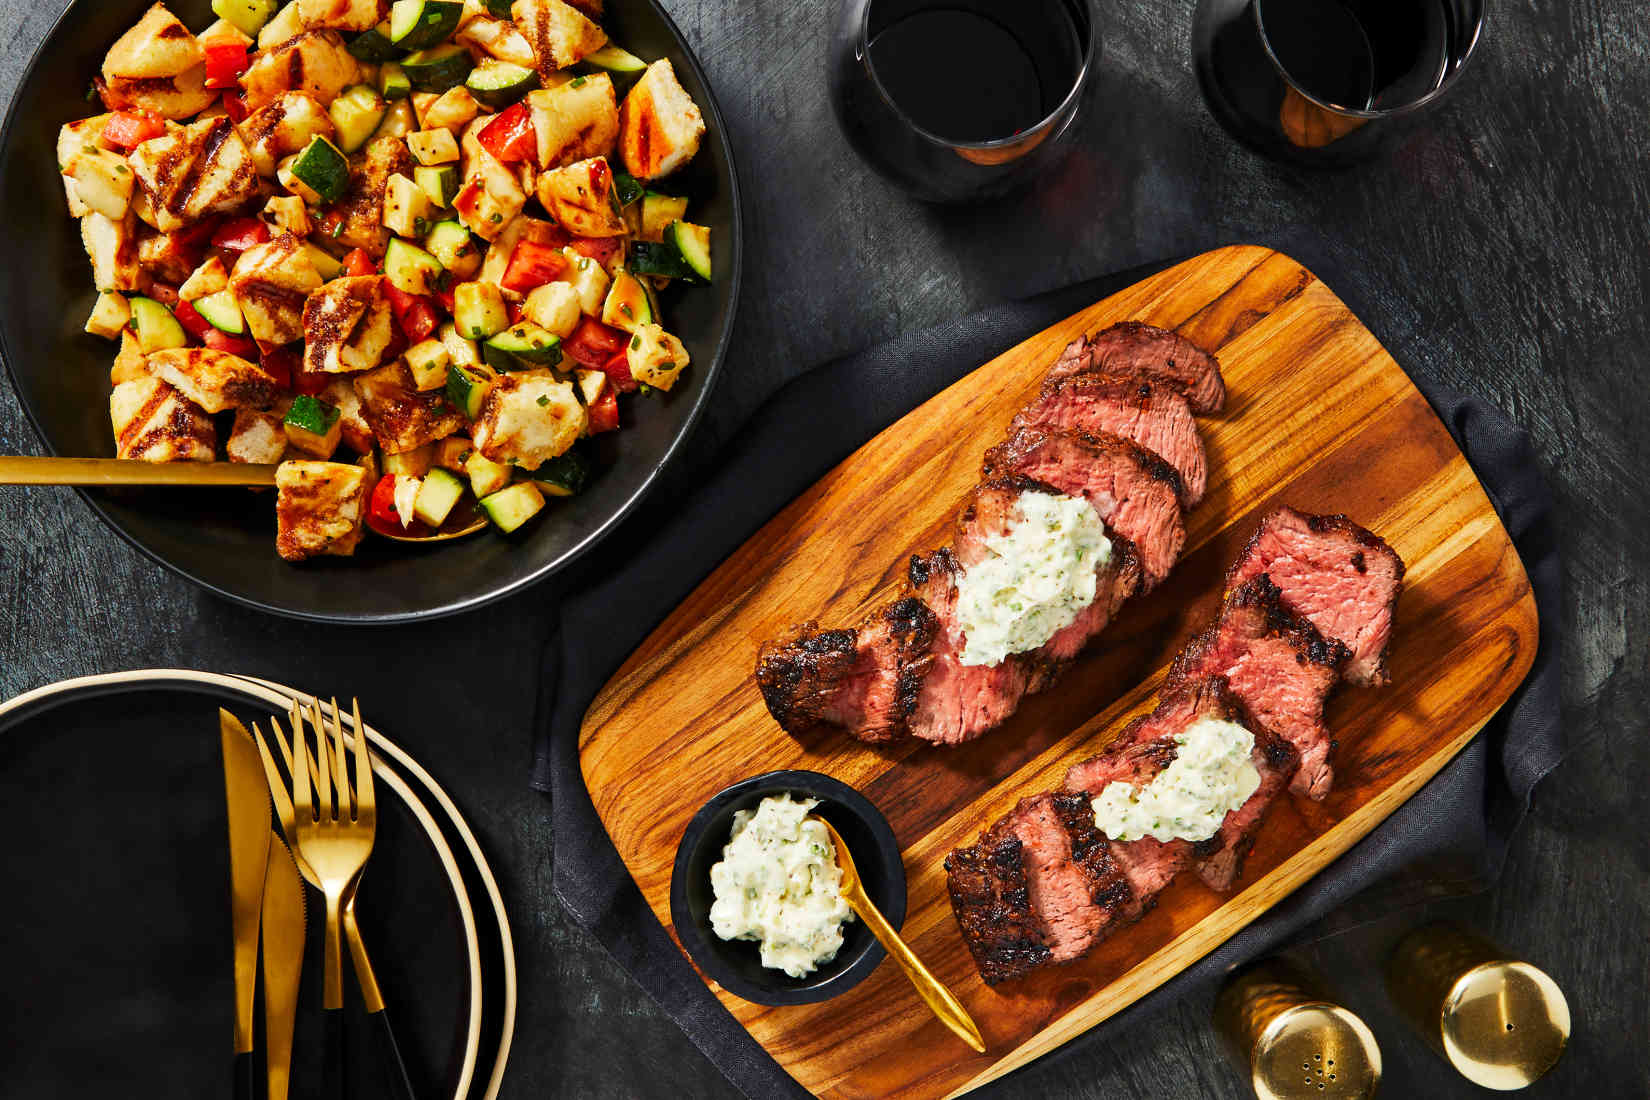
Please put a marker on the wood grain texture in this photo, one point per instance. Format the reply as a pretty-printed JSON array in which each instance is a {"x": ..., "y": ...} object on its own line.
[{"x": 1319, "y": 417}]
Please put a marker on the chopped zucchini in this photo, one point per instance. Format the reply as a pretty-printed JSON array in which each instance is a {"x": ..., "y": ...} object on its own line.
[
  {"x": 248, "y": 16},
  {"x": 627, "y": 188},
  {"x": 399, "y": 120},
  {"x": 407, "y": 209},
  {"x": 463, "y": 352},
  {"x": 615, "y": 59},
  {"x": 374, "y": 46},
  {"x": 392, "y": 82},
  {"x": 413, "y": 463},
  {"x": 355, "y": 115},
  {"x": 659, "y": 258},
  {"x": 409, "y": 268},
  {"x": 655, "y": 357},
  {"x": 478, "y": 310},
  {"x": 109, "y": 315},
  {"x": 629, "y": 303},
  {"x": 467, "y": 388},
  {"x": 313, "y": 426},
  {"x": 510, "y": 508},
  {"x": 420, "y": 24},
  {"x": 451, "y": 244},
  {"x": 439, "y": 182},
  {"x": 155, "y": 326},
  {"x": 287, "y": 24},
  {"x": 692, "y": 242},
  {"x": 222, "y": 312},
  {"x": 438, "y": 68},
  {"x": 522, "y": 347},
  {"x": 428, "y": 361},
  {"x": 564, "y": 475},
  {"x": 326, "y": 265},
  {"x": 658, "y": 211},
  {"x": 323, "y": 169},
  {"x": 436, "y": 497},
  {"x": 499, "y": 9},
  {"x": 486, "y": 476},
  {"x": 499, "y": 83}
]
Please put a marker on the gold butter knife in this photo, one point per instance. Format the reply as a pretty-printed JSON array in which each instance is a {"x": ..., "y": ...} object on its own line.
[
  {"x": 247, "y": 799},
  {"x": 284, "y": 925}
]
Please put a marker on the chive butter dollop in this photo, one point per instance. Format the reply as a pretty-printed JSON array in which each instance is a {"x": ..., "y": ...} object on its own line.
[{"x": 1211, "y": 775}]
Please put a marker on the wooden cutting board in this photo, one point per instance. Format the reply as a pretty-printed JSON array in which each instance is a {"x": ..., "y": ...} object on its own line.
[{"x": 1319, "y": 417}]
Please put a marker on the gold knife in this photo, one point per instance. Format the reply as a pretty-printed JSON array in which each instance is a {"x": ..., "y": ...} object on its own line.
[
  {"x": 248, "y": 802},
  {"x": 284, "y": 922}
]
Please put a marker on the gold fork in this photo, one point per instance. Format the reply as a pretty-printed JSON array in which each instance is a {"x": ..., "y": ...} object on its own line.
[{"x": 371, "y": 995}]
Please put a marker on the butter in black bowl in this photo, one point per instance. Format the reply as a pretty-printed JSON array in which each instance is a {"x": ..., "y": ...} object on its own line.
[{"x": 736, "y": 964}]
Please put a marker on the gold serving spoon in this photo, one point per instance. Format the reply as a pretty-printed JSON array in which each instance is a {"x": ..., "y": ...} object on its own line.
[
  {"x": 940, "y": 1000},
  {"x": 108, "y": 472}
]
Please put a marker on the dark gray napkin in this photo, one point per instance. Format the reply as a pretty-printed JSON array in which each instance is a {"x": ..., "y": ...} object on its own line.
[{"x": 1456, "y": 828}]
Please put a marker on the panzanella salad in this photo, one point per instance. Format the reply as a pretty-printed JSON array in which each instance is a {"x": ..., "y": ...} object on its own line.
[{"x": 410, "y": 251}]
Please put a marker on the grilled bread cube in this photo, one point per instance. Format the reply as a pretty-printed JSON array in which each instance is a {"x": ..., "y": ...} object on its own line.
[
  {"x": 113, "y": 247},
  {"x": 559, "y": 34},
  {"x": 528, "y": 419},
  {"x": 272, "y": 281},
  {"x": 580, "y": 197},
  {"x": 196, "y": 170},
  {"x": 343, "y": 15},
  {"x": 256, "y": 438},
  {"x": 575, "y": 121},
  {"x": 171, "y": 97},
  {"x": 102, "y": 181},
  {"x": 319, "y": 508},
  {"x": 214, "y": 380},
  {"x": 110, "y": 315},
  {"x": 655, "y": 357},
  {"x": 128, "y": 364},
  {"x": 407, "y": 209},
  {"x": 209, "y": 278},
  {"x": 554, "y": 307},
  {"x": 589, "y": 280},
  {"x": 497, "y": 38},
  {"x": 341, "y": 395},
  {"x": 286, "y": 25},
  {"x": 659, "y": 124},
  {"x": 288, "y": 214},
  {"x": 433, "y": 146},
  {"x": 490, "y": 198},
  {"x": 159, "y": 45},
  {"x": 357, "y": 219},
  {"x": 284, "y": 126},
  {"x": 400, "y": 416},
  {"x": 156, "y": 423},
  {"x": 315, "y": 62},
  {"x": 169, "y": 257},
  {"x": 452, "y": 110},
  {"x": 347, "y": 325},
  {"x": 78, "y": 137}
]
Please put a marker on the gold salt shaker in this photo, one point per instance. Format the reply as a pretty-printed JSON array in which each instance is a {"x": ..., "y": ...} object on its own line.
[
  {"x": 1292, "y": 1041},
  {"x": 1501, "y": 1022}
]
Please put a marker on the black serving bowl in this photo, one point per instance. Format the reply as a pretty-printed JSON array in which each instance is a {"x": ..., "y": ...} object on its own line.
[
  {"x": 736, "y": 964},
  {"x": 224, "y": 540}
]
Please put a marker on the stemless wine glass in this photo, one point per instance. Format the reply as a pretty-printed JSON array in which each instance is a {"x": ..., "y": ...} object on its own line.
[
  {"x": 1323, "y": 81},
  {"x": 956, "y": 100}
]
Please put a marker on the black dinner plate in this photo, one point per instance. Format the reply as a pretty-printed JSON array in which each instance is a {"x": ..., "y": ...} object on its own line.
[
  {"x": 225, "y": 539},
  {"x": 118, "y": 944}
]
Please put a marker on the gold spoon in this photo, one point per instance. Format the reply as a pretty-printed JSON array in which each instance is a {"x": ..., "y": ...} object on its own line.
[
  {"x": 127, "y": 471},
  {"x": 940, "y": 1000}
]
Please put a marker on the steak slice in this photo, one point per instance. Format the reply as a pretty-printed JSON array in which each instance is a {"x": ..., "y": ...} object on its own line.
[
  {"x": 1077, "y": 889},
  {"x": 864, "y": 680},
  {"x": 1136, "y": 493},
  {"x": 1136, "y": 406},
  {"x": 992, "y": 904},
  {"x": 1343, "y": 578},
  {"x": 1136, "y": 346},
  {"x": 1278, "y": 666}
]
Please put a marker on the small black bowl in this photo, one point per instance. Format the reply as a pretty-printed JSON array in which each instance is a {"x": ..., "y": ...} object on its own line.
[{"x": 736, "y": 964}]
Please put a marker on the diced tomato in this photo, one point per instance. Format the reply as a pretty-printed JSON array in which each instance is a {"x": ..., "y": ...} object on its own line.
[
  {"x": 358, "y": 263},
  {"x": 278, "y": 363},
  {"x": 382, "y": 516},
  {"x": 510, "y": 137},
  {"x": 532, "y": 265},
  {"x": 234, "y": 105},
  {"x": 197, "y": 236},
  {"x": 592, "y": 343},
  {"x": 226, "y": 60},
  {"x": 191, "y": 320},
  {"x": 416, "y": 315},
  {"x": 604, "y": 414},
  {"x": 164, "y": 293},
  {"x": 600, "y": 249},
  {"x": 618, "y": 373},
  {"x": 312, "y": 382},
  {"x": 400, "y": 300},
  {"x": 243, "y": 346},
  {"x": 126, "y": 130},
  {"x": 240, "y": 234},
  {"x": 448, "y": 299}
]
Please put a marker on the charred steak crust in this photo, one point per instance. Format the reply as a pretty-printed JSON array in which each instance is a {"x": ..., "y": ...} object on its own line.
[
  {"x": 1091, "y": 850},
  {"x": 1260, "y": 594},
  {"x": 1135, "y": 345},
  {"x": 797, "y": 673},
  {"x": 992, "y": 904},
  {"x": 1000, "y": 461}
]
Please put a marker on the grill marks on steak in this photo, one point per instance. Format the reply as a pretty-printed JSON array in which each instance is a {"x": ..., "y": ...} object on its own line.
[
  {"x": 1137, "y": 406},
  {"x": 1136, "y": 493},
  {"x": 1075, "y": 885},
  {"x": 1343, "y": 578},
  {"x": 992, "y": 904},
  {"x": 1281, "y": 668},
  {"x": 1137, "y": 347}
]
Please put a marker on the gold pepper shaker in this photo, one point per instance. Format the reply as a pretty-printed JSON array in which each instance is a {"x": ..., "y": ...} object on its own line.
[
  {"x": 1502, "y": 1023},
  {"x": 1292, "y": 1041}
]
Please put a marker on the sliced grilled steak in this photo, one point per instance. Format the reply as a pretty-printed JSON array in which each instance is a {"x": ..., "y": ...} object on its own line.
[
  {"x": 1343, "y": 578},
  {"x": 1278, "y": 665},
  {"x": 1136, "y": 492},
  {"x": 1136, "y": 406},
  {"x": 1135, "y": 346},
  {"x": 1077, "y": 889},
  {"x": 992, "y": 904},
  {"x": 865, "y": 680}
]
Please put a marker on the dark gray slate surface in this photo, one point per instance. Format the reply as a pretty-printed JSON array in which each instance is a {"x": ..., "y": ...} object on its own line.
[{"x": 1504, "y": 249}]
